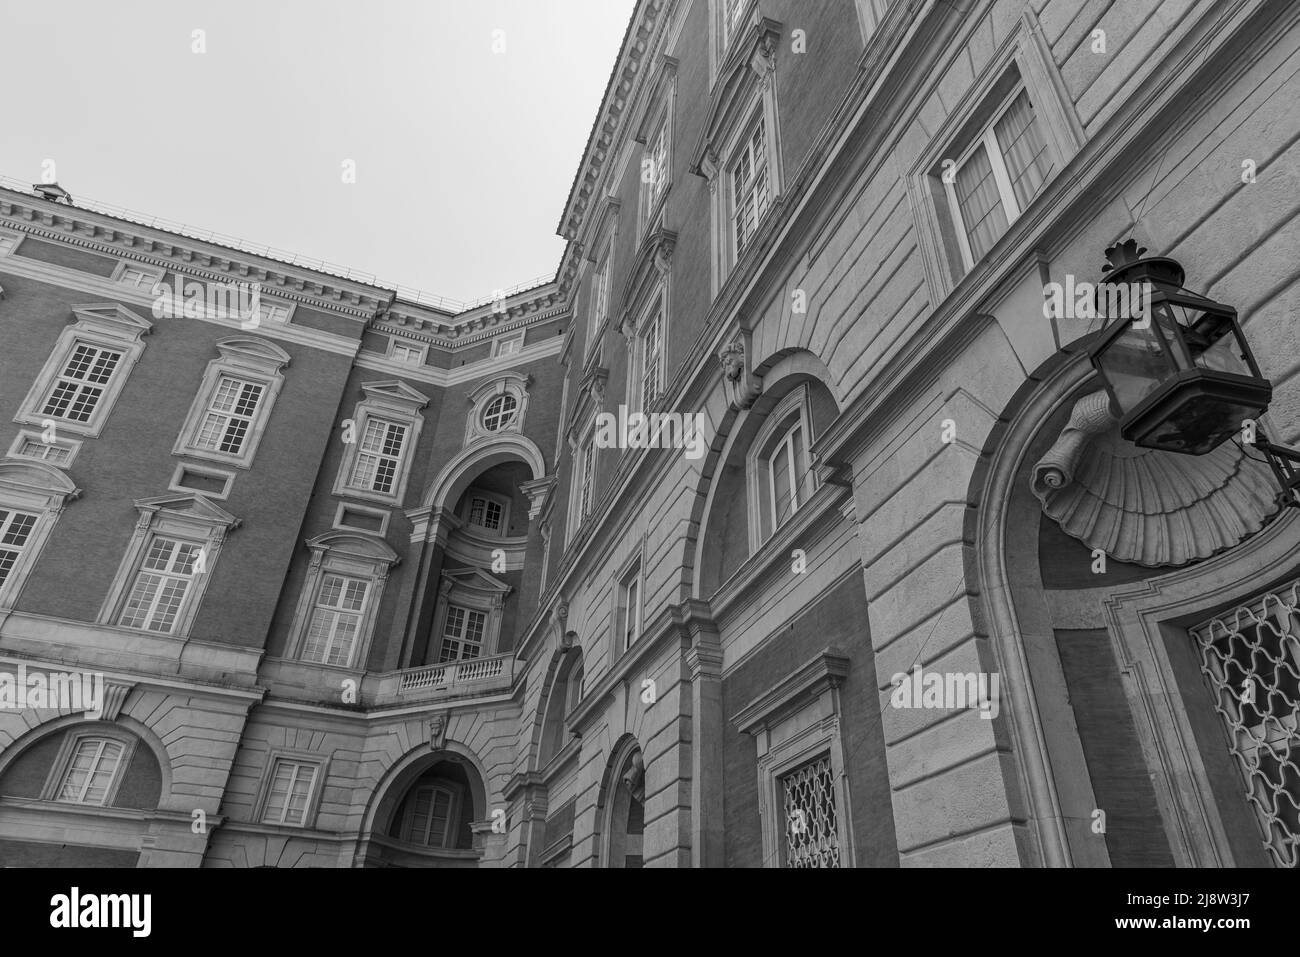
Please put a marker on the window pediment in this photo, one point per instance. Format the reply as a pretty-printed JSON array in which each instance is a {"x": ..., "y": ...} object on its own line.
[
  {"x": 112, "y": 319},
  {"x": 395, "y": 395},
  {"x": 363, "y": 548},
  {"x": 751, "y": 61},
  {"x": 36, "y": 483},
  {"x": 190, "y": 508},
  {"x": 468, "y": 582},
  {"x": 647, "y": 274},
  {"x": 252, "y": 353}
]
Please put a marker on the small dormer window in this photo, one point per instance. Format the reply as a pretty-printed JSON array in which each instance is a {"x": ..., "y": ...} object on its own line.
[{"x": 500, "y": 412}]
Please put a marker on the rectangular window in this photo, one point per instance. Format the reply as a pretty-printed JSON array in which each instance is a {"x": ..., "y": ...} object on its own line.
[
  {"x": 654, "y": 172},
  {"x": 272, "y": 312},
  {"x": 230, "y": 415},
  {"x": 652, "y": 359},
  {"x": 599, "y": 302},
  {"x": 407, "y": 354},
  {"x": 431, "y": 817},
  {"x": 79, "y": 387},
  {"x": 628, "y": 611},
  {"x": 786, "y": 472},
  {"x": 485, "y": 513},
  {"x": 730, "y": 20},
  {"x": 336, "y": 621},
  {"x": 751, "y": 186},
  {"x": 138, "y": 278},
  {"x": 46, "y": 452},
  {"x": 15, "y": 531},
  {"x": 161, "y": 585},
  {"x": 289, "y": 793},
  {"x": 462, "y": 635},
  {"x": 7, "y": 244},
  {"x": 508, "y": 346},
  {"x": 379, "y": 458},
  {"x": 586, "y": 477},
  {"x": 91, "y": 770},
  {"x": 998, "y": 176},
  {"x": 809, "y": 819}
]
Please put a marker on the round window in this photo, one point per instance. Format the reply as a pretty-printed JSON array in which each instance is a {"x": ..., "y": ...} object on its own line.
[{"x": 500, "y": 412}]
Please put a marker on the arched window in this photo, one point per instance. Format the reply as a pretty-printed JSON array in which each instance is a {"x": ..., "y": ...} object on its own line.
[
  {"x": 431, "y": 816},
  {"x": 780, "y": 472},
  {"x": 566, "y": 692},
  {"x": 626, "y": 809},
  {"x": 500, "y": 412}
]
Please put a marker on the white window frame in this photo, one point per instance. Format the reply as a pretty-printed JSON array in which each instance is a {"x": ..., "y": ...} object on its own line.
[
  {"x": 510, "y": 345},
  {"x": 655, "y": 312},
  {"x": 627, "y": 614},
  {"x": 36, "y": 488},
  {"x": 98, "y": 326},
  {"x": 30, "y": 436},
  {"x": 582, "y": 492},
  {"x": 762, "y": 506},
  {"x": 351, "y": 554},
  {"x": 499, "y": 500},
  {"x": 345, "y": 509},
  {"x": 137, "y": 276},
  {"x": 191, "y": 517},
  {"x": 300, "y": 761},
  {"x": 391, "y": 401},
  {"x": 169, "y": 574},
  {"x": 245, "y": 359},
  {"x": 658, "y": 150},
  {"x": 598, "y": 308},
  {"x": 475, "y": 590},
  {"x": 417, "y": 352},
  {"x": 987, "y": 139},
  {"x": 62, "y": 765},
  {"x": 455, "y": 798},
  {"x": 510, "y": 383}
]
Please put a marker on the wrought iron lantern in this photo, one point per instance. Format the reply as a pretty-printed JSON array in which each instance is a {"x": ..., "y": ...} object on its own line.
[{"x": 1179, "y": 371}]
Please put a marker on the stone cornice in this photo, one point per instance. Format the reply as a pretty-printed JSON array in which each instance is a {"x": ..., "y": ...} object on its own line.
[
  {"x": 99, "y": 232},
  {"x": 827, "y": 670},
  {"x": 628, "y": 68}
]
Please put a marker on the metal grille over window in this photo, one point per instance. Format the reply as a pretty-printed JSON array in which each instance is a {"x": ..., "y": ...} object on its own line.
[
  {"x": 1250, "y": 657},
  {"x": 811, "y": 827}
]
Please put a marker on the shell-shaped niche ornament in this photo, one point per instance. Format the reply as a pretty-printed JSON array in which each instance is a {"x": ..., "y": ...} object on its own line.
[{"x": 1146, "y": 506}]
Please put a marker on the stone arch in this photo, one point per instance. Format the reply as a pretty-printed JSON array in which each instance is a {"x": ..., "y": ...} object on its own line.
[
  {"x": 456, "y": 475},
  {"x": 1135, "y": 619},
  {"x": 57, "y": 724},
  {"x": 722, "y": 480},
  {"x": 610, "y": 801},
  {"x": 564, "y": 663}
]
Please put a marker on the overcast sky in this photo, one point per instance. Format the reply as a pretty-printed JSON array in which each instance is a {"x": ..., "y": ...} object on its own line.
[{"x": 464, "y": 156}]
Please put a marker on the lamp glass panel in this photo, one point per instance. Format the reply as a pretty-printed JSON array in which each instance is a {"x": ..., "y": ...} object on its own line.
[
  {"x": 1134, "y": 364},
  {"x": 1214, "y": 342}
]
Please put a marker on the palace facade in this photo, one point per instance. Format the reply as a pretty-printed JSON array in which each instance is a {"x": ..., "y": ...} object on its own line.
[{"x": 363, "y": 588}]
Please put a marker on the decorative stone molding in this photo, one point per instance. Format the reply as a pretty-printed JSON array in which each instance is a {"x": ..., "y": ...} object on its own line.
[
  {"x": 1145, "y": 506},
  {"x": 115, "y": 693},
  {"x": 437, "y": 732},
  {"x": 742, "y": 386}
]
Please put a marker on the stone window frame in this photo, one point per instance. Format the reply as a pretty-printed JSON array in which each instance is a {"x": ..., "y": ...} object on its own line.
[
  {"x": 352, "y": 554},
  {"x": 11, "y": 234},
  {"x": 395, "y": 342},
  {"x": 344, "y": 508},
  {"x": 275, "y": 756},
  {"x": 102, "y": 326},
  {"x": 792, "y": 723},
  {"x": 145, "y": 287},
  {"x": 580, "y": 439},
  {"x": 500, "y": 341},
  {"x": 62, "y": 764},
  {"x": 247, "y": 359},
  {"x": 516, "y": 384},
  {"x": 28, "y": 485},
  {"x": 746, "y": 90},
  {"x": 190, "y": 518},
  {"x": 24, "y": 436},
  {"x": 389, "y": 400},
  {"x": 601, "y": 300},
  {"x": 636, "y": 331},
  {"x": 474, "y": 590},
  {"x": 1025, "y": 52},
  {"x": 456, "y": 800},
  {"x": 178, "y": 475},
  {"x": 658, "y": 113}
]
